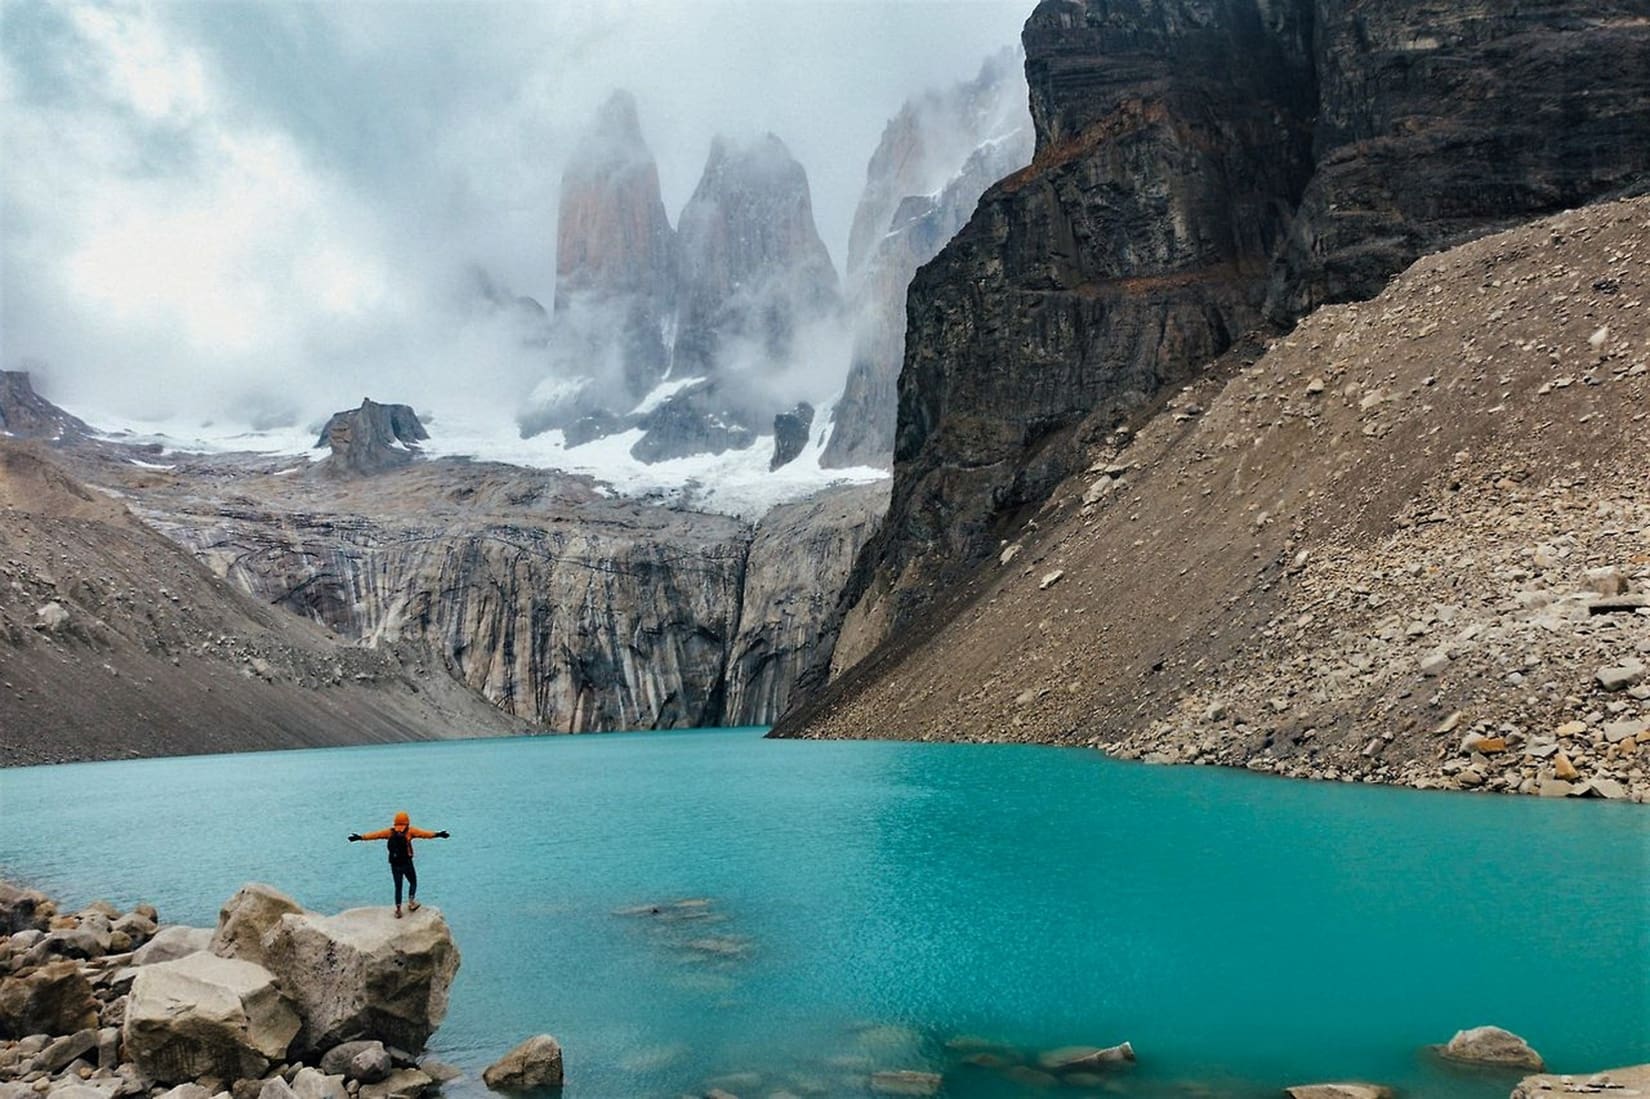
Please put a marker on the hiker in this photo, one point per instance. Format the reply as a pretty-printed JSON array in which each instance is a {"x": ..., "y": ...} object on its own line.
[{"x": 400, "y": 836}]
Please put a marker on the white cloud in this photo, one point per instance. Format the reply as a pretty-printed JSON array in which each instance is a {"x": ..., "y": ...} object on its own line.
[{"x": 271, "y": 206}]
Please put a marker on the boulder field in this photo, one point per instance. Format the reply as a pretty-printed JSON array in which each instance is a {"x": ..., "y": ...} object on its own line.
[{"x": 275, "y": 1002}]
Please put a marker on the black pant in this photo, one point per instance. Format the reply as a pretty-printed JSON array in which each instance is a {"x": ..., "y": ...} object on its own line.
[{"x": 404, "y": 869}]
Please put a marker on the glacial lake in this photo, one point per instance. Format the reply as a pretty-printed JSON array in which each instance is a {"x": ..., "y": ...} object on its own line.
[{"x": 869, "y": 902}]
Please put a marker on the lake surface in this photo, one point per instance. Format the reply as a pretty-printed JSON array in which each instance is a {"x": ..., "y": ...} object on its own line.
[{"x": 869, "y": 902}]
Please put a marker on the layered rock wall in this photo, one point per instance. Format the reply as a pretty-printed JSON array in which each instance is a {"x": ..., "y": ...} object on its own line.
[{"x": 575, "y": 612}]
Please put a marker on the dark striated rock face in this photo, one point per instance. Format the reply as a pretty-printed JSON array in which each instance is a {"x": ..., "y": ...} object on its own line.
[
  {"x": 24, "y": 414},
  {"x": 371, "y": 439},
  {"x": 936, "y": 157},
  {"x": 1438, "y": 121},
  {"x": 1203, "y": 166},
  {"x": 790, "y": 434}
]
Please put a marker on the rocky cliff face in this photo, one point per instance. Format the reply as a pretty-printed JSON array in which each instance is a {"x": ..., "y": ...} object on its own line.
[
  {"x": 116, "y": 642},
  {"x": 798, "y": 560},
  {"x": 1199, "y": 169},
  {"x": 935, "y": 159},
  {"x": 557, "y": 605},
  {"x": 1404, "y": 543},
  {"x": 24, "y": 414}
]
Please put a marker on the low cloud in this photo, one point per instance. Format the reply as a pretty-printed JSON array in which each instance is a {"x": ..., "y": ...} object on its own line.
[{"x": 272, "y": 209}]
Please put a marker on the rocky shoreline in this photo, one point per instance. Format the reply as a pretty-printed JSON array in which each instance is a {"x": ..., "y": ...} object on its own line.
[{"x": 276, "y": 1002}]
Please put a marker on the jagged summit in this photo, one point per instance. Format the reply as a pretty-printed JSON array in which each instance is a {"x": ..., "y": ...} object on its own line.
[{"x": 372, "y": 438}]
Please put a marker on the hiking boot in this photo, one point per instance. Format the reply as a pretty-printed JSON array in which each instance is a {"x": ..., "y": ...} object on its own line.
[
  {"x": 412, "y": 906},
  {"x": 398, "y": 911}
]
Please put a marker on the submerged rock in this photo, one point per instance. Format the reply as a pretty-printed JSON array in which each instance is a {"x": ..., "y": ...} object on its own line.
[
  {"x": 1086, "y": 1058},
  {"x": 905, "y": 1082},
  {"x": 206, "y": 1016},
  {"x": 1339, "y": 1091},
  {"x": 1490, "y": 1045},
  {"x": 536, "y": 1063}
]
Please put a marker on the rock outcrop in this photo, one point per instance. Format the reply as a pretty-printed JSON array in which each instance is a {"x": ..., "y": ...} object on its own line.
[
  {"x": 363, "y": 974},
  {"x": 24, "y": 414},
  {"x": 371, "y": 439},
  {"x": 203, "y": 1015},
  {"x": 1200, "y": 170},
  {"x": 935, "y": 159}
]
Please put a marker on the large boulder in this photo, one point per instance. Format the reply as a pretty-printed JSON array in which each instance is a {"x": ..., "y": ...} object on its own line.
[
  {"x": 365, "y": 974},
  {"x": 1490, "y": 1045},
  {"x": 536, "y": 1063},
  {"x": 366, "y": 1061},
  {"x": 21, "y": 909},
  {"x": 203, "y": 1015},
  {"x": 54, "y": 999},
  {"x": 171, "y": 943},
  {"x": 248, "y": 918},
  {"x": 1339, "y": 1091}
]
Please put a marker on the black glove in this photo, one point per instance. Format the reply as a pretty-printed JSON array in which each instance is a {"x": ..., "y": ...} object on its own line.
[
  {"x": 354, "y": 837},
  {"x": 443, "y": 835}
]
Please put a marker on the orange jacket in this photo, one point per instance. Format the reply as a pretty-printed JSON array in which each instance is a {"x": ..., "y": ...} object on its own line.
[{"x": 412, "y": 833}]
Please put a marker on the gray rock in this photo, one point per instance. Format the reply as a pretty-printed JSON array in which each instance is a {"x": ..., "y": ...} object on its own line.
[
  {"x": 204, "y": 1015},
  {"x": 1339, "y": 1091},
  {"x": 108, "y": 1048},
  {"x": 58, "y": 1055},
  {"x": 1619, "y": 677},
  {"x": 371, "y": 439},
  {"x": 186, "y": 1091},
  {"x": 371, "y": 1065},
  {"x": 51, "y": 618},
  {"x": 309, "y": 1083},
  {"x": 247, "y": 919},
  {"x": 277, "y": 1088},
  {"x": 403, "y": 1083},
  {"x": 339, "y": 1059},
  {"x": 172, "y": 943},
  {"x": 1489, "y": 1045},
  {"x": 535, "y": 1063},
  {"x": 365, "y": 974}
]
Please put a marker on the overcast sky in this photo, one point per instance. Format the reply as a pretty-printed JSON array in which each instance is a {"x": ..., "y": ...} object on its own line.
[{"x": 219, "y": 205}]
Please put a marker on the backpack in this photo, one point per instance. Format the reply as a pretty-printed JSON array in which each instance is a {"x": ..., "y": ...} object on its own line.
[{"x": 400, "y": 845}]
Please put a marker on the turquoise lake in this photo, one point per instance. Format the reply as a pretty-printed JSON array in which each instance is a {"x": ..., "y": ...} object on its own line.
[{"x": 869, "y": 902}]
